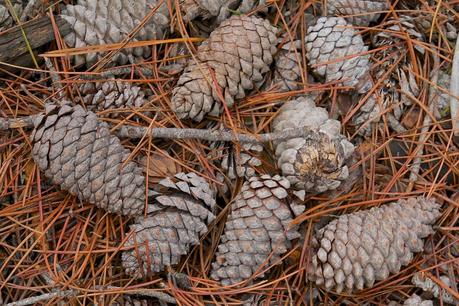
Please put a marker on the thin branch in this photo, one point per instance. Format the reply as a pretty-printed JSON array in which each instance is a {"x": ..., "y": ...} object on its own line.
[
  {"x": 73, "y": 293},
  {"x": 135, "y": 132},
  {"x": 454, "y": 90},
  {"x": 44, "y": 297},
  {"x": 217, "y": 135}
]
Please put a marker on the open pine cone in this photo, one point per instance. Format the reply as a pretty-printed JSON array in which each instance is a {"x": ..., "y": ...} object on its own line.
[
  {"x": 317, "y": 162},
  {"x": 357, "y": 12},
  {"x": 355, "y": 250},
  {"x": 77, "y": 152},
  {"x": 97, "y": 22},
  {"x": 176, "y": 219},
  {"x": 237, "y": 54},
  {"x": 334, "y": 50},
  {"x": 257, "y": 228}
]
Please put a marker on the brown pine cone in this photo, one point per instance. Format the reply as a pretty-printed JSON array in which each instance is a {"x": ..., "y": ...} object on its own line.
[
  {"x": 112, "y": 94},
  {"x": 257, "y": 227},
  {"x": 238, "y": 52},
  {"x": 355, "y": 250},
  {"x": 332, "y": 48},
  {"x": 366, "y": 11},
  {"x": 97, "y": 22},
  {"x": 176, "y": 219},
  {"x": 77, "y": 152},
  {"x": 317, "y": 162}
]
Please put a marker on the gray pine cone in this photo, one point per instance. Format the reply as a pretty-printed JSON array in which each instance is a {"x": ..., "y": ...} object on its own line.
[
  {"x": 220, "y": 9},
  {"x": 100, "y": 22},
  {"x": 316, "y": 163},
  {"x": 239, "y": 51},
  {"x": 23, "y": 9},
  {"x": 332, "y": 46},
  {"x": 365, "y": 10},
  {"x": 6, "y": 19},
  {"x": 176, "y": 219},
  {"x": 355, "y": 250},
  {"x": 112, "y": 94},
  {"x": 416, "y": 300},
  {"x": 129, "y": 301},
  {"x": 428, "y": 285},
  {"x": 77, "y": 152},
  {"x": 257, "y": 227},
  {"x": 237, "y": 164},
  {"x": 287, "y": 68}
]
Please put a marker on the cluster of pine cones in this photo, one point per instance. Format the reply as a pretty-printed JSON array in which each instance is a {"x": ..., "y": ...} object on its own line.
[{"x": 241, "y": 55}]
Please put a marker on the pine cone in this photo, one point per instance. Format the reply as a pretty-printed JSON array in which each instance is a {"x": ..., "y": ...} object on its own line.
[
  {"x": 6, "y": 19},
  {"x": 101, "y": 22},
  {"x": 112, "y": 94},
  {"x": 237, "y": 164},
  {"x": 23, "y": 10},
  {"x": 316, "y": 162},
  {"x": 442, "y": 109},
  {"x": 126, "y": 300},
  {"x": 239, "y": 51},
  {"x": 416, "y": 300},
  {"x": 175, "y": 221},
  {"x": 207, "y": 9},
  {"x": 220, "y": 9},
  {"x": 77, "y": 152},
  {"x": 422, "y": 281},
  {"x": 287, "y": 68},
  {"x": 366, "y": 10},
  {"x": 257, "y": 227},
  {"x": 355, "y": 250},
  {"x": 332, "y": 46}
]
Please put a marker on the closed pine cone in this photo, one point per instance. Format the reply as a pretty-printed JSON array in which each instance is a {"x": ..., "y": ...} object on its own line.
[
  {"x": 287, "y": 68},
  {"x": 355, "y": 250},
  {"x": 176, "y": 219},
  {"x": 257, "y": 227},
  {"x": 238, "y": 53},
  {"x": 101, "y": 22},
  {"x": 112, "y": 94},
  {"x": 332, "y": 46},
  {"x": 317, "y": 162},
  {"x": 77, "y": 152},
  {"x": 365, "y": 10}
]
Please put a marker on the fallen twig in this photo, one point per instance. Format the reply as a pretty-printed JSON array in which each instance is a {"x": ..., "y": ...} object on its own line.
[
  {"x": 136, "y": 132},
  {"x": 454, "y": 90},
  {"x": 73, "y": 293}
]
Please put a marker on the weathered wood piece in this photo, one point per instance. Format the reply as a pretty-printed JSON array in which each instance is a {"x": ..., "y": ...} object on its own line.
[{"x": 39, "y": 32}]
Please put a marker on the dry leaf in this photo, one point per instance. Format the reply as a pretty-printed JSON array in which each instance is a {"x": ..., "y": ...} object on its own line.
[{"x": 158, "y": 166}]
